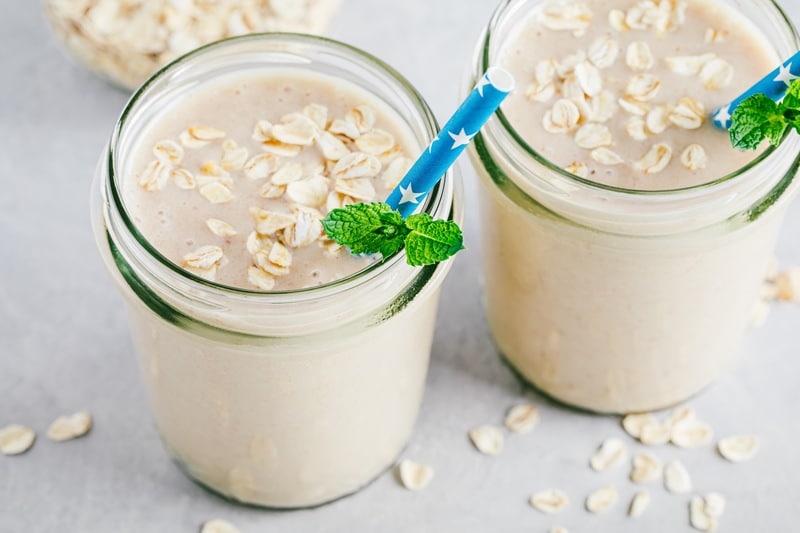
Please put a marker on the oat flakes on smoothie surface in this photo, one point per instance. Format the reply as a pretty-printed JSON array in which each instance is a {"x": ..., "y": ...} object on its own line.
[
  {"x": 252, "y": 195},
  {"x": 128, "y": 41},
  {"x": 618, "y": 91}
]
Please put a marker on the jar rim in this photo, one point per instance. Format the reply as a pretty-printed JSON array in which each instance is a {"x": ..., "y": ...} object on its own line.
[
  {"x": 485, "y": 60},
  {"x": 436, "y": 201}
]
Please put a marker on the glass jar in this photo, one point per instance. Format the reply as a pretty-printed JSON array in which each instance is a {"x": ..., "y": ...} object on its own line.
[
  {"x": 280, "y": 399},
  {"x": 126, "y": 42},
  {"x": 616, "y": 300}
]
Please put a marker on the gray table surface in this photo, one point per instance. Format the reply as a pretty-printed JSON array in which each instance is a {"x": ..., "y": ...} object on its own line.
[{"x": 65, "y": 343}]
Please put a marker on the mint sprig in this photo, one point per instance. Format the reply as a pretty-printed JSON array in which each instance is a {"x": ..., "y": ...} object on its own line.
[
  {"x": 377, "y": 228},
  {"x": 758, "y": 118}
]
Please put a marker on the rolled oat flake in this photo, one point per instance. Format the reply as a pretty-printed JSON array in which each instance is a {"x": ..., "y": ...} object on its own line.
[{"x": 16, "y": 439}]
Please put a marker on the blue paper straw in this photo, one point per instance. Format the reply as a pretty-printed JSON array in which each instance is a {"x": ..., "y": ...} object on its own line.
[
  {"x": 774, "y": 86},
  {"x": 465, "y": 123}
]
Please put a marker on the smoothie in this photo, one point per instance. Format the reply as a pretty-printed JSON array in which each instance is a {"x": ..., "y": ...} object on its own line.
[
  {"x": 624, "y": 240},
  {"x": 233, "y": 182},
  {"x": 625, "y": 102},
  {"x": 281, "y": 370}
]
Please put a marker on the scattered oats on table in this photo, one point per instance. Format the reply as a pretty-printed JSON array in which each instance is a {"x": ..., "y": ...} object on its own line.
[
  {"x": 738, "y": 448},
  {"x": 610, "y": 454},
  {"x": 487, "y": 439},
  {"x": 691, "y": 434},
  {"x": 549, "y": 501},
  {"x": 676, "y": 478},
  {"x": 705, "y": 511},
  {"x": 16, "y": 439},
  {"x": 522, "y": 418},
  {"x": 70, "y": 427},
  {"x": 414, "y": 476},
  {"x": 646, "y": 468},
  {"x": 219, "y": 526},
  {"x": 639, "y": 504},
  {"x": 602, "y": 499},
  {"x": 633, "y": 423}
]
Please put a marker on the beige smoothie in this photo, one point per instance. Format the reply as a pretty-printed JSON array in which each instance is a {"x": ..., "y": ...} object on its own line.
[
  {"x": 623, "y": 100},
  {"x": 282, "y": 371},
  {"x": 232, "y": 183},
  {"x": 602, "y": 295}
]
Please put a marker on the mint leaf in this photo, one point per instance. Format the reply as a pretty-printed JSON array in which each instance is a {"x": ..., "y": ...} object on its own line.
[
  {"x": 366, "y": 228},
  {"x": 431, "y": 241},
  {"x": 757, "y": 119},
  {"x": 793, "y": 118},
  {"x": 790, "y": 106},
  {"x": 377, "y": 228},
  {"x": 393, "y": 233},
  {"x": 792, "y": 98}
]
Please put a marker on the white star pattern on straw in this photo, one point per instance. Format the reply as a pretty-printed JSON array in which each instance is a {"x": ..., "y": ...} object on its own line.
[
  {"x": 409, "y": 196},
  {"x": 723, "y": 116},
  {"x": 484, "y": 81},
  {"x": 462, "y": 127},
  {"x": 461, "y": 138},
  {"x": 785, "y": 75}
]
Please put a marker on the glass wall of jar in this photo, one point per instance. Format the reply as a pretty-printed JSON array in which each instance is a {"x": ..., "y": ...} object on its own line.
[
  {"x": 621, "y": 300},
  {"x": 281, "y": 399}
]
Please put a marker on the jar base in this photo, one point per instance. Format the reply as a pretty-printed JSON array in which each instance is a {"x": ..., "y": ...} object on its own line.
[
  {"x": 560, "y": 402},
  {"x": 279, "y": 508}
]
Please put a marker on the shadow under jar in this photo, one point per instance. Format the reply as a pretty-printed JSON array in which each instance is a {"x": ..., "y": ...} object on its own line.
[
  {"x": 613, "y": 299},
  {"x": 281, "y": 399}
]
